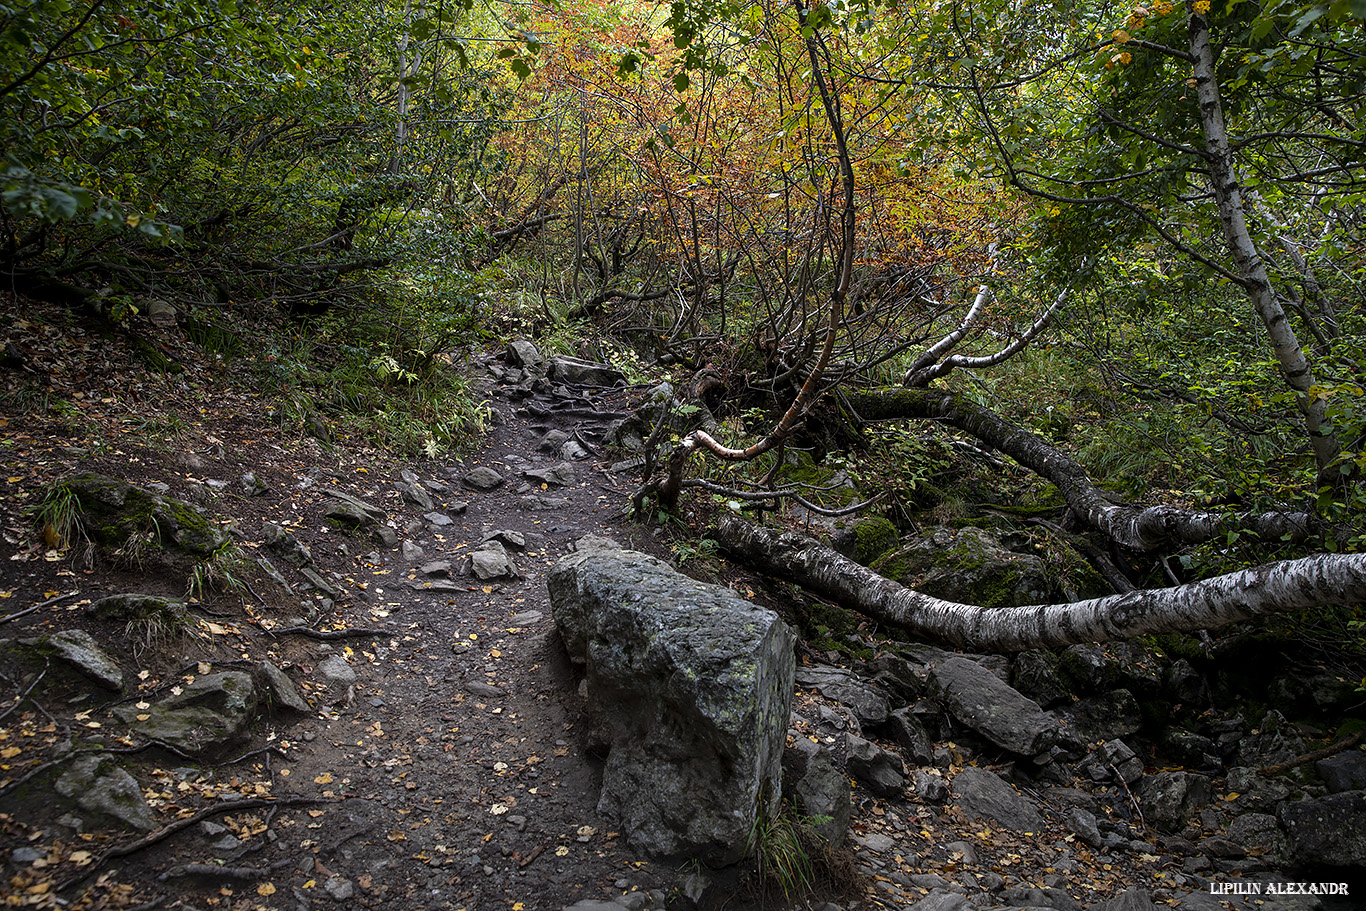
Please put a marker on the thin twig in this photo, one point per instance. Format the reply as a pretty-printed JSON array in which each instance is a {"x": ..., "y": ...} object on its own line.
[
  {"x": 1312, "y": 756},
  {"x": 24, "y": 695},
  {"x": 39, "y": 606},
  {"x": 332, "y": 634},
  {"x": 162, "y": 834}
]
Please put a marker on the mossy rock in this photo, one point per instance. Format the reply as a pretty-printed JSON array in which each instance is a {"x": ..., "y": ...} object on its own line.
[
  {"x": 116, "y": 514},
  {"x": 969, "y": 566},
  {"x": 866, "y": 540}
]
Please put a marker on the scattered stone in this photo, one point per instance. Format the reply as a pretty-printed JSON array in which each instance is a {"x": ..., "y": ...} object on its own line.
[
  {"x": 508, "y": 537},
  {"x": 1036, "y": 676},
  {"x": 417, "y": 495},
  {"x": 573, "y": 451},
  {"x": 983, "y": 794},
  {"x": 930, "y": 788},
  {"x": 283, "y": 542},
  {"x": 252, "y": 486},
  {"x": 492, "y": 561},
  {"x": 279, "y": 689},
  {"x": 552, "y": 441},
  {"x": 942, "y": 900},
  {"x": 274, "y": 574},
  {"x": 1275, "y": 740},
  {"x": 1031, "y": 897},
  {"x": 1082, "y": 824},
  {"x": 868, "y": 703},
  {"x": 822, "y": 793},
  {"x": 484, "y": 478},
  {"x": 526, "y": 618},
  {"x": 438, "y": 519},
  {"x": 980, "y": 700},
  {"x": 1262, "y": 830},
  {"x": 881, "y": 770},
  {"x": 336, "y": 669},
  {"x": 524, "y": 354},
  {"x": 386, "y": 536},
  {"x": 674, "y": 661},
  {"x": 79, "y": 649},
  {"x": 316, "y": 580},
  {"x": 560, "y": 475},
  {"x": 1134, "y": 899},
  {"x": 339, "y": 889},
  {"x": 366, "y": 513},
  {"x": 411, "y": 551},
  {"x": 1105, "y": 717},
  {"x": 910, "y": 734},
  {"x": 436, "y": 568},
  {"x": 349, "y": 514},
  {"x": 99, "y": 785},
  {"x": 480, "y": 688}
]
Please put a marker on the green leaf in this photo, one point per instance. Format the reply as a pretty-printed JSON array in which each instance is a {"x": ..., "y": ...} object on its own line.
[{"x": 681, "y": 82}]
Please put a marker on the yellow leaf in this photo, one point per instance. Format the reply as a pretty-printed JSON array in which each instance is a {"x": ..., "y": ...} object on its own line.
[
  {"x": 324, "y": 778},
  {"x": 561, "y": 851},
  {"x": 204, "y": 667},
  {"x": 10, "y": 752},
  {"x": 265, "y": 889}
]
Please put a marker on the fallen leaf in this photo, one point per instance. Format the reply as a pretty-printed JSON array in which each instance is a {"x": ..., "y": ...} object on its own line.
[
  {"x": 324, "y": 778},
  {"x": 265, "y": 889},
  {"x": 561, "y": 851}
]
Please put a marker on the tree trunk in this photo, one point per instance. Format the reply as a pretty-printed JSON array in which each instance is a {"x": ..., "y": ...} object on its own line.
[
  {"x": 1252, "y": 593},
  {"x": 1141, "y": 529},
  {"x": 1228, "y": 199}
]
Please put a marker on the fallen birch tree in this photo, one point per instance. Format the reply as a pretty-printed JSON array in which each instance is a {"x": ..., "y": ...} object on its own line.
[{"x": 1281, "y": 587}]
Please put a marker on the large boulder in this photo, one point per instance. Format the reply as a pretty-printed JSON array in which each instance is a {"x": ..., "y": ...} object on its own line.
[
  {"x": 578, "y": 372},
  {"x": 983, "y": 794},
  {"x": 101, "y": 787},
  {"x": 1327, "y": 830},
  {"x": 690, "y": 686},
  {"x": 992, "y": 708}
]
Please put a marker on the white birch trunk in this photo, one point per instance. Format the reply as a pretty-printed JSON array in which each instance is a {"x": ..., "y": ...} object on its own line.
[
  {"x": 1249, "y": 594},
  {"x": 1229, "y": 201}
]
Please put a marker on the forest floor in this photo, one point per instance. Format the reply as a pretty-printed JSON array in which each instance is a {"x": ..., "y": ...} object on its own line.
[{"x": 453, "y": 772}]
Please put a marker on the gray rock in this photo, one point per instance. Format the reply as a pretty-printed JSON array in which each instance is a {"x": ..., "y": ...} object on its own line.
[
  {"x": 1112, "y": 757},
  {"x": 335, "y": 669},
  {"x": 484, "y": 478},
  {"x": 931, "y": 788},
  {"x": 983, "y": 794},
  {"x": 1134, "y": 899},
  {"x": 417, "y": 495},
  {"x": 412, "y": 552},
  {"x": 909, "y": 734},
  {"x": 252, "y": 485},
  {"x": 560, "y": 475},
  {"x": 572, "y": 451},
  {"x": 1169, "y": 798},
  {"x": 274, "y": 574},
  {"x": 979, "y": 699},
  {"x": 1082, "y": 824},
  {"x": 436, "y": 568},
  {"x": 868, "y": 703},
  {"x": 592, "y": 904},
  {"x": 385, "y": 535},
  {"x": 691, "y": 686},
  {"x": 522, "y": 353},
  {"x": 279, "y": 690},
  {"x": 552, "y": 441},
  {"x": 316, "y": 580},
  {"x": 283, "y": 542},
  {"x": 1036, "y": 675},
  {"x": 1104, "y": 717},
  {"x": 583, "y": 373},
  {"x": 1275, "y": 740},
  {"x": 353, "y": 510},
  {"x": 881, "y": 770},
  {"x": 822, "y": 793},
  {"x": 1028, "y": 896},
  {"x": 1343, "y": 772},
  {"x": 942, "y": 900},
  {"x": 1259, "y": 832},
  {"x": 99, "y": 785},
  {"x": 492, "y": 561},
  {"x": 207, "y": 716},
  {"x": 339, "y": 889},
  {"x": 508, "y": 537},
  {"x": 138, "y": 607},
  {"x": 438, "y": 519},
  {"x": 1327, "y": 830},
  {"x": 77, "y": 648}
]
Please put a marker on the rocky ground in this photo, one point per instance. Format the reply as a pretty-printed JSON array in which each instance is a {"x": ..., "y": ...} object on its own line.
[{"x": 425, "y": 749}]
